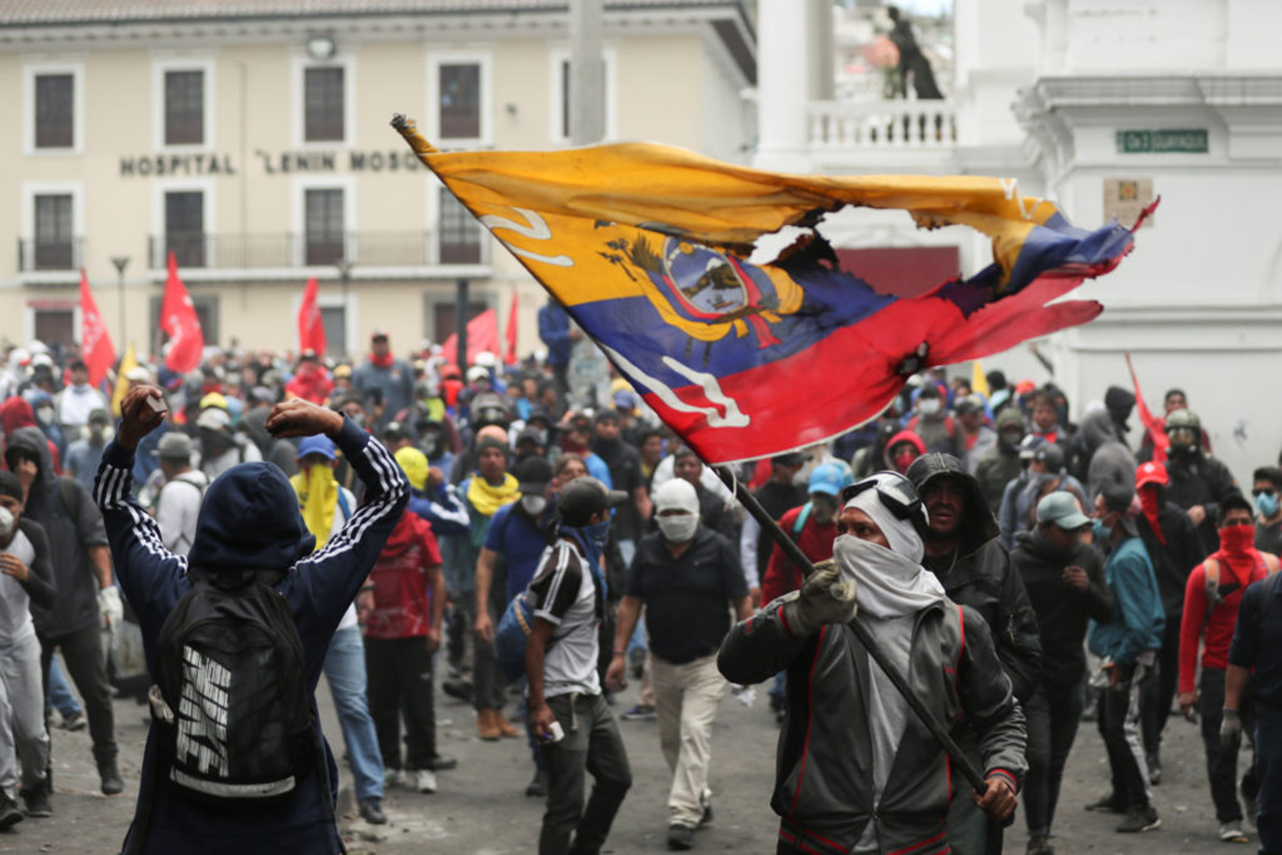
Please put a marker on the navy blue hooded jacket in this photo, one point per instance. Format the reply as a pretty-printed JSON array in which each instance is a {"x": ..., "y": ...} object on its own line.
[{"x": 250, "y": 520}]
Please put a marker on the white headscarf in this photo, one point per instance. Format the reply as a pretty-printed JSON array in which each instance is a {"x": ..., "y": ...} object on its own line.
[{"x": 889, "y": 582}]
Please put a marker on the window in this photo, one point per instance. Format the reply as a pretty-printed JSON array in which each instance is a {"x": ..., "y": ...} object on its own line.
[
  {"x": 185, "y": 227},
  {"x": 184, "y": 107},
  {"x": 54, "y": 241},
  {"x": 323, "y": 224},
  {"x": 55, "y": 324},
  {"x": 444, "y": 323},
  {"x": 459, "y": 233},
  {"x": 460, "y": 101},
  {"x": 323, "y": 104},
  {"x": 206, "y": 312},
  {"x": 334, "y": 319},
  {"x": 459, "y": 97},
  {"x": 559, "y": 102},
  {"x": 55, "y": 111}
]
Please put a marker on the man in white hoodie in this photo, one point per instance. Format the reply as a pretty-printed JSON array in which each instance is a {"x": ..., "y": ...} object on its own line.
[{"x": 685, "y": 575}]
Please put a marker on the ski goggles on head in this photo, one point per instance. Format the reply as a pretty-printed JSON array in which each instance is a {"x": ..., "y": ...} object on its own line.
[{"x": 894, "y": 491}]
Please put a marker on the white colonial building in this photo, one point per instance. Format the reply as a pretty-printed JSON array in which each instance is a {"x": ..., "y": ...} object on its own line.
[{"x": 1097, "y": 105}]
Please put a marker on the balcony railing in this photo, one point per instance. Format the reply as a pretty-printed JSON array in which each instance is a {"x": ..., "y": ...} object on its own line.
[
  {"x": 893, "y": 125},
  {"x": 41, "y": 255},
  {"x": 265, "y": 251}
]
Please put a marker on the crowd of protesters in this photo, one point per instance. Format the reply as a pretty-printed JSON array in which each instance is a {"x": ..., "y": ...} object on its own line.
[{"x": 1107, "y": 568}]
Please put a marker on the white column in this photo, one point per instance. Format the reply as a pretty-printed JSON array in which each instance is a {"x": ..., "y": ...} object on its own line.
[
  {"x": 587, "y": 73},
  {"x": 783, "y": 85}
]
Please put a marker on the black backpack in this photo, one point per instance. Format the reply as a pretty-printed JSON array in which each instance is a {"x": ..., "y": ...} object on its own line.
[{"x": 231, "y": 671}]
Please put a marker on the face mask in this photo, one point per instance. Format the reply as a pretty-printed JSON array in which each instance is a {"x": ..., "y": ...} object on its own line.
[
  {"x": 542, "y": 435},
  {"x": 534, "y": 505},
  {"x": 678, "y": 528},
  {"x": 598, "y": 533},
  {"x": 358, "y": 419},
  {"x": 45, "y": 414},
  {"x": 101, "y": 434},
  {"x": 1010, "y": 439},
  {"x": 1266, "y": 504},
  {"x": 7, "y": 522},
  {"x": 903, "y": 460},
  {"x": 930, "y": 406},
  {"x": 1237, "y": 539},
  {"x": 1102, "y": 532}
]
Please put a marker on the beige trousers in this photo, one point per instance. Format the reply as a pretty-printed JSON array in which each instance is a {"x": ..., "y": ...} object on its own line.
[{"x": 686, "y": 699}]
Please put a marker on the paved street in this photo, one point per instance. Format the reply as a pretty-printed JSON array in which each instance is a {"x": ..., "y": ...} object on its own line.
[{"x": 481, "y": 808}]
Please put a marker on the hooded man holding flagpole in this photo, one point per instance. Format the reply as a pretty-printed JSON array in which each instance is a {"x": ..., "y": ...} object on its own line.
[{"x": 857, "y": 772}]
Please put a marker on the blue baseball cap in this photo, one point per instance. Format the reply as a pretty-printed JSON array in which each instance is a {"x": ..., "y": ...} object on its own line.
[
  {"x": 828, "y": 478},
  {"x": 317, "y": 444}
]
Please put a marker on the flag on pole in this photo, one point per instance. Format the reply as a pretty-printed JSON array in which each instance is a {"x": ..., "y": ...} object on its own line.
[
  {"x": 127, "y": 363},
  {"x": 482, "y": 335},
  {"x": 509, "y": 355},
  {"x": 95, "y": 342},
  {"x": 179, "y": 321},
  {"x": 647, "y": 247},
  {"x": 311, "y": 325},
  {"x": 979, "y": 380},
  {"x": 1154, "y": 426}
]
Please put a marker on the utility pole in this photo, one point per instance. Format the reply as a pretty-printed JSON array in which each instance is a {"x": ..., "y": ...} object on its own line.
[
  {"x": 121, "y": 262},
  {"x": 587, "y": 73},
  {"x": 460, "y": 325}
]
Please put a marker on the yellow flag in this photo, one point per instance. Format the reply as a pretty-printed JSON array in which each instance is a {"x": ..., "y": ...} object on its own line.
[
  {"x": 127, "y": 364},
  {"x": 978, "y": 380}
]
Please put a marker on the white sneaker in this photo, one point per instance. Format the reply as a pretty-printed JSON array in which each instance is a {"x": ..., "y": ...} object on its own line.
[
  {"x": 425, "y": 781},
  {"x": 1231, "y": 832}
]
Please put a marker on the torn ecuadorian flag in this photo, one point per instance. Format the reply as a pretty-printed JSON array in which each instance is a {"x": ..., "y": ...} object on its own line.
[{"x": 647, "y": 247}]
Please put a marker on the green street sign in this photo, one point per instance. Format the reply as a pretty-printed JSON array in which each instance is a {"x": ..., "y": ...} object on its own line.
[{"x": 1163, "y": 142}]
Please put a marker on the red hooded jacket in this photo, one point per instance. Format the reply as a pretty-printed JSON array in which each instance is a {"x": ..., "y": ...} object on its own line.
[
  {"x": 402, "y": 598},
  {"x": 16, "y": 413}
]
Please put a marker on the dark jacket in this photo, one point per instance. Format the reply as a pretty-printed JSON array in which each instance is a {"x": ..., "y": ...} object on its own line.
[
  {"x": 980, "y": 575},
  {"x": 823, "y": 774},
  {"x": 1174, "y": 560},
  {"x": 1107, "y": 458},
  {"x": 250, "y": 519},
  {"x": 1201, "y": 481},
  {"x": 554, "y": 329},
  {"x": 41, "y": 587},
  {"x": 1062, "y": 611},
  {"x": 71, "y": 531},
  {"x": 994, "y": 471}
]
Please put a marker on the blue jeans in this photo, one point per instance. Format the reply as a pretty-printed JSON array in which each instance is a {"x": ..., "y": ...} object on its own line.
[
  {"x": 60, "y": 695},
  {"x": 1052, "y": 713},
  {"x": 345, "y": 671}
]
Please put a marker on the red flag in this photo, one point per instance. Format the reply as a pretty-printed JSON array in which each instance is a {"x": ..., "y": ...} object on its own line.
[
  {"x": 509, "y": 357},
  {"x": 482, "y": 334},
  {"x": 178, "y": 320},
  {"x": 1156, "y": 427},
  {"x": 311, "y": 326},
  {"x": 95, "y": 342}
]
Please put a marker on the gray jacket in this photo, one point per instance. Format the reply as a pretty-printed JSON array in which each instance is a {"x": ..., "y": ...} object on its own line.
[{"x": 824, "y": 771}]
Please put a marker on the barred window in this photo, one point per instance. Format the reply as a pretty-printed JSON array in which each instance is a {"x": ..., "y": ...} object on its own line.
[
  {"x": 324, "y": 223},
  {"x": 185, "y": 227},
  {"x": 459, "y": 232}
]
